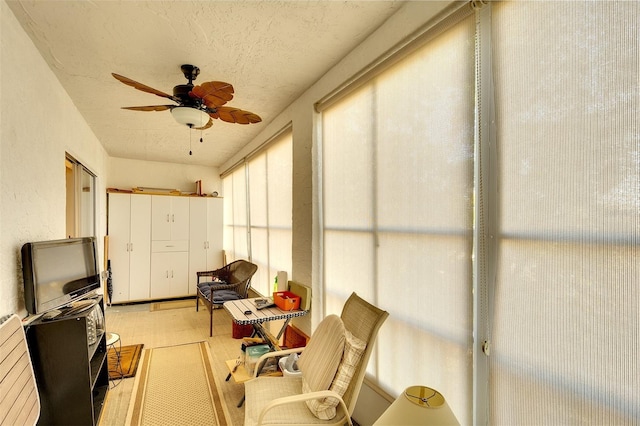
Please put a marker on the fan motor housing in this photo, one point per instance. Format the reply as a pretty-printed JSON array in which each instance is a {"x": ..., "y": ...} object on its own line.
[{"x": 181, "y": 91}]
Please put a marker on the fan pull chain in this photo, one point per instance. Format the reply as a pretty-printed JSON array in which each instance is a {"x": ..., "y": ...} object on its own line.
[
  {"x": 200, "y": 135},
  {"x": 190, "y": 153}
]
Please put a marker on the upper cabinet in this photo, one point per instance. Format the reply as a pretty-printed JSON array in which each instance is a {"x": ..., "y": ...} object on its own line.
[{"x": 169, "y": 218}]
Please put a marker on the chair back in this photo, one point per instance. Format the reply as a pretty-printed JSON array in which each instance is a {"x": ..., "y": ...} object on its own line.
[
  {"x": 241, "y": 272},
  {"x": 363, "y": 320}
]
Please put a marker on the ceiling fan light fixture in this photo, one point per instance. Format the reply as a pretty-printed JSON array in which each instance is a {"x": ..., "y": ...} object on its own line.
[{"x": 191, "y": 117}]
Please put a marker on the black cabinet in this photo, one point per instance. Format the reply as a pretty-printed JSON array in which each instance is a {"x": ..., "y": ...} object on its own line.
[{"x": 71, "y": 369}]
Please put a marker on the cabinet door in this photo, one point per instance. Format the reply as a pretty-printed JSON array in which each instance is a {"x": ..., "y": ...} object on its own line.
[
  {"x": 119, "y": 228},
  {"x": 214, "y": 233},
  {"x": 169, "y": 274},
  {"x": 140, "y": 247},
  {"x": 179, "y": 274},
  {"x": 161, "y": 275},
  {"x": 160, "y": 217},
  {"x": 169, "y": 218},
  {"x": 179, "y": 218},
  {"x": 197, "y": 240}
]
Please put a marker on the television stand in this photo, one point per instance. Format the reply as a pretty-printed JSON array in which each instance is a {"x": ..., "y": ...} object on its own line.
[{"x": 72, "y": 375}]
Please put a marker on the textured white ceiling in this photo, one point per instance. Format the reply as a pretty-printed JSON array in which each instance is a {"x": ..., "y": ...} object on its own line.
[{"x": 270, "y": 51}]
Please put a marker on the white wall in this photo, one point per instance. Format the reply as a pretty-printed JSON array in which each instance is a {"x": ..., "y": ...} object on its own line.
[
  {"x": 38, "y": 124},
  {"x": 126, "y": 174}
]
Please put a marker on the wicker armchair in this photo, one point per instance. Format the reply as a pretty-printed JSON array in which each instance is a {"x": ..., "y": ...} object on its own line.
[
  {"x": 231, "y": 282},
  {"x": 285, "y": 400}
]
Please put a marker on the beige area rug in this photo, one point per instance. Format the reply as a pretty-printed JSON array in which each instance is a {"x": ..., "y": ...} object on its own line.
[
  {"x": 175, "y": 385},
  {"x": 173, "y": 304}
]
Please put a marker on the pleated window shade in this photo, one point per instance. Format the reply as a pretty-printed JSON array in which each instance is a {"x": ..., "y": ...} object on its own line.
[
  {"x": 235, "y": 238},
  {"x": 397, "y": 188},
  {"x": 270, "y": 198},
  {"x": 566, "y": 313},
  {"x": 258, "y": 210}
]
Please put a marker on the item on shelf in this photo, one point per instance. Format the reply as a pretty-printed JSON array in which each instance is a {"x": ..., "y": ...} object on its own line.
[{"x": 156, "y": 191}]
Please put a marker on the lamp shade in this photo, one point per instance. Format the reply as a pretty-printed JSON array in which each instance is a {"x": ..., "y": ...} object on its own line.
[
  {"x": 418, "y": 405},
  {"x": 189, "y": 116}
]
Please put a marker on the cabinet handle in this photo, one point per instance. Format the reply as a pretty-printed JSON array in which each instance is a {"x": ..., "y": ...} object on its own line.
[
  {"x": 173, "y": 218},
  {"x": 167, "y": 217},
  {"x": 167, "y": 274},
  {"x": 131, "y": 246},
  {"x": 171, "y": 273},
  {"x": 205, "y": 245}
]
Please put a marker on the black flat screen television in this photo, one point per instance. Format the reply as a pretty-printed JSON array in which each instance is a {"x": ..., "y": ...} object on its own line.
[{"x": 58, "y": 272}]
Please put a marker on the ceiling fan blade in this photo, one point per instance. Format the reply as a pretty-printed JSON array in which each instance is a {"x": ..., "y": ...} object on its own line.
[
  {"x": 150, "y": 108},
  {"x": 213, "y": 93},
  {"x": 235, "y": 115},
  {"x": 206, "y": 126},
  {"x": 142, "y": 87}
]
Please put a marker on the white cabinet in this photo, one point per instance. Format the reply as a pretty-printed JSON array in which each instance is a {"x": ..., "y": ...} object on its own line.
[
  {"x": 130, "y": 246},
  {"x": 169, "y": 274},
  {"x": 157, "y": 243},
  {"x": 205, "y": 237},
  {"x": 169, "y": 218}
]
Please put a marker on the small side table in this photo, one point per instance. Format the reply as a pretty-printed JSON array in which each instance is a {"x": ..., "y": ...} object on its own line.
[{"x": 112, "y": 339}]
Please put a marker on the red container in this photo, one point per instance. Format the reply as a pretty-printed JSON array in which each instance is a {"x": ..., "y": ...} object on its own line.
[
  {"x": 286, "y": 300},
  {"x": 240, "y": 331}
]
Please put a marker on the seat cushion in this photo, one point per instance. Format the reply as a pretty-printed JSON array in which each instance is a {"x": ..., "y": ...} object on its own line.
[
  {"x": 209, "y": 283},
  {"x": 220, "y": 296},
  {"x": 262, "y": 390},
  {"x": 320, "y": 360}
]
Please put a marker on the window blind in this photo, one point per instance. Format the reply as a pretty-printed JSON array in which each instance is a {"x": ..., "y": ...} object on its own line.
[
  {"x": 567, "y": 301},
  {"x": 258, "y": 210},
  {"x": 235, "y": 237},
  {"x": 270, "y": 198},
  {"x": 397, "y": 179}
]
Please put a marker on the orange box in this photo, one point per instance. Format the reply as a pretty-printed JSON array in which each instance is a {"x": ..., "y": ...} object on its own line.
[{"x": 286, "y": 300}]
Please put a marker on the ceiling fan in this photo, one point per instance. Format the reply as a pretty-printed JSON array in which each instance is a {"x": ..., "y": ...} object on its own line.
[{"x": 197, "y": 105}]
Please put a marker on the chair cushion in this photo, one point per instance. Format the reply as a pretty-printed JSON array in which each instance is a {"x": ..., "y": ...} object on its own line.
[
  {"x": 320, "y": 359},
  {"x": 220, "y": 296},
  {"x": 209, "y": 283}
]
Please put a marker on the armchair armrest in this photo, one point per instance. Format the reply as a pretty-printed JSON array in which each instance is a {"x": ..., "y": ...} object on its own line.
[
  {"x": 221, "y": 274},
  {"x": 214, "y": 273},
  {"x": 274, "y": 354},
  {"x": 305, "y": 397}
]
